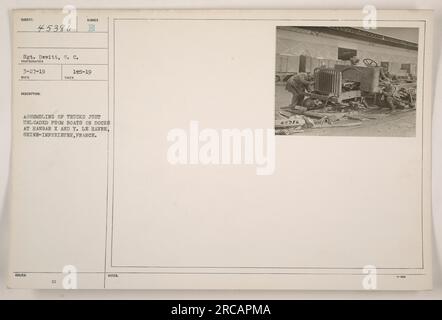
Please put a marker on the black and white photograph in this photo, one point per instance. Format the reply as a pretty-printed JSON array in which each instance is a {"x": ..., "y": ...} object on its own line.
[
  {"x": 346, "y": 81},
  {"x": 233, "y": 153}
]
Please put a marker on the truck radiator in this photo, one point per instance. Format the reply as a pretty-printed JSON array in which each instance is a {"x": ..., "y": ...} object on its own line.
[{"x": 328, "y": 81}]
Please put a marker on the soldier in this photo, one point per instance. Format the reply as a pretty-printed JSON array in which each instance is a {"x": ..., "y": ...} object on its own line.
[
  {"x": 385, "y": 75},
  {"x": 388, "y": 91},
  {"x": 297, "y": 85},
  {"x": 354, "y": 60}
]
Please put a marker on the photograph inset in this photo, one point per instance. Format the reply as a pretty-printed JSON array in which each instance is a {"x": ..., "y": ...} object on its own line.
[{"x": 345, "y": 81}]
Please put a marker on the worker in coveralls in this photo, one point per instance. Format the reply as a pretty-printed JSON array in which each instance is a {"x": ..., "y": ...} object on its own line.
[
  {"x": 387, "y": 92},
  {"x": 297, "y": 85}
]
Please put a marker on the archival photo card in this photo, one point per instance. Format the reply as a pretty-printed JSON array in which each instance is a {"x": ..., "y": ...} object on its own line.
[
  {"x": 346, "y": 81},
  {"x": 144, "y": 151}
]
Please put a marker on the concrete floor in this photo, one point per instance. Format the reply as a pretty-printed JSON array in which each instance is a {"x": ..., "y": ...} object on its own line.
[{"x": 399, "y": 124}]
